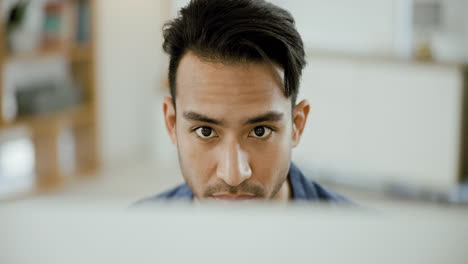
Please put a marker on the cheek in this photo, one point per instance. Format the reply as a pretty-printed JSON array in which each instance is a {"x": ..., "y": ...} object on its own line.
[
  {"x": 268, "y": 159},
  {"x": 195, "y": 159}
]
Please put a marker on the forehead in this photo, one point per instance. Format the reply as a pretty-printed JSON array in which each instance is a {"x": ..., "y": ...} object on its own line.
[{"x": 233, "y": 89}]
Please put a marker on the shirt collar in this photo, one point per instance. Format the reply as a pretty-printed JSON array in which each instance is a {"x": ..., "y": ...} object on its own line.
[{"x": 298, "y": 185}]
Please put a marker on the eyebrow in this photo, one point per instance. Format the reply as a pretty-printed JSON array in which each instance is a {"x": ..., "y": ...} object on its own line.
[
  {"x": 270, "y": 116},
  {"x": 193, "y": 116}
]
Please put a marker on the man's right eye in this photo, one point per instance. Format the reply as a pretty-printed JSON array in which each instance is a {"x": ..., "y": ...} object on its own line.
[{"x": 205, "y": 132}]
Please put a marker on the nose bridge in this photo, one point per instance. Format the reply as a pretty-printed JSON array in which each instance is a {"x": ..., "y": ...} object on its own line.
[{"x": 233, "y": 163}]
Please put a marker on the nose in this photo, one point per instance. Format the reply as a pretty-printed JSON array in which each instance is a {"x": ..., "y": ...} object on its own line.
[{"x": 233, "y": 165}]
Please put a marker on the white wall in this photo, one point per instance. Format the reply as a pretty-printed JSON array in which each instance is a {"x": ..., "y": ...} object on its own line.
[
  {"x": 129, "y": 61},
  {"x": 382, "y": 121},
  {"x": 362, "y": 26}
]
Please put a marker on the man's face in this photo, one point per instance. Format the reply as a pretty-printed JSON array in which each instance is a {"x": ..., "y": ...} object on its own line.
[{"x": 233, "y": 128}]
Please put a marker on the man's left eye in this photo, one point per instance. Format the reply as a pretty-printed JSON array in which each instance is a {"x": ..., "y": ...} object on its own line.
[{"x": 260, "y": 132}]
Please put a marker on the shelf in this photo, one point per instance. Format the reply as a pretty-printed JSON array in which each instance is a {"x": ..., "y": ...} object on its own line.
[
  {"x": 379, "y": 58},
  {"x": 80, "y": 53},
  {"x": 45, "y": 129},
  {"x": 77, "y": 53},
  {"x": 73, "y": 116}
]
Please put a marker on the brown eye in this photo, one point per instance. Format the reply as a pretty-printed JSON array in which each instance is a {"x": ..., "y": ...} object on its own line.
[
  {"x": 260, "y": 132},
  {"x": 205, "y": 132}
]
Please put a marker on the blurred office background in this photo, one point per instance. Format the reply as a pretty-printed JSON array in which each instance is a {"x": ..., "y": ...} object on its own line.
[{"x": 82, "y": 82}]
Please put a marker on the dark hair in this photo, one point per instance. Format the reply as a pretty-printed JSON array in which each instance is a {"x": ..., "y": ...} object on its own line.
[{"x": 236, "y": 31}]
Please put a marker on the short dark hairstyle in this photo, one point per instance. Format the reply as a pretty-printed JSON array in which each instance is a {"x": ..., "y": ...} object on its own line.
[{"x": 236, "y": 31}]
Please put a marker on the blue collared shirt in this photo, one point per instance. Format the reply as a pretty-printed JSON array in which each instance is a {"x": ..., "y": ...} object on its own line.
[{"x": 302, "y": 189}]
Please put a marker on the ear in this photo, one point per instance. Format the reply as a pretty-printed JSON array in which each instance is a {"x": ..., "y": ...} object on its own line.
[
  {"x": 170, "y": 118},
  {"x": 301, "y": 112}
]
